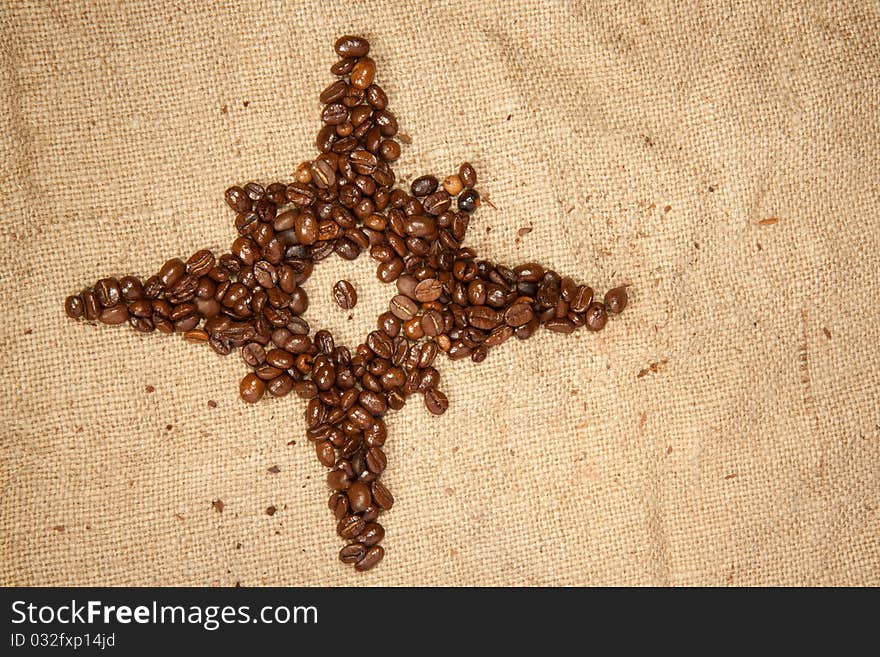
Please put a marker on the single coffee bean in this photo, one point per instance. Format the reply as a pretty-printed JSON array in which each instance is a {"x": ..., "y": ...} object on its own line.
[
  {"x": 373, "y": 533},
  {"x": 518, "y": 314},
  {"x": 108, "y": 292},
  {"x": 596, "y": 317},
  {"x": 432, "y": 323},
  {"x": 200, "y": 263},
  {"x": 437, "y": 202},
  {"x": 403, "y": 307},
  {"x": 615, "y": 300},
  {"x": 435, "y": 401},
  {"x": 73, "y": 306},
  {"x": 352, "y": 553},
  {"x": 363, "y": 73},
  {"x": 560, "y": 325},
  {"x": 351, "y": 46},
  {"x": 468, "y": 175},
  {"x": 381, "y": 495},
  {"x": 345, "y": 295},
  {"x": 583, "y": 297},
  {"x": 370, "y": 559},
  {"x": 423, "y": 185},
  {"x": 468, "y": 200},
  {"x": 376, "y": 460},
  {"x": 238, "y": 199},
  {"x": 338, "y": 480},
  {"x": 117, "y": 314},
  {"x": 251, "y": 388},
  {"x": 350, "y": 526},
  {"x": 253, "y": 354},
  {"x": 359, "y": 497},
  {"x": 428, "y": 290}
]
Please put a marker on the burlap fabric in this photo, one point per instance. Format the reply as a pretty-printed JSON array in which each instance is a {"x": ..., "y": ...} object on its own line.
[{"x": 722, "y": 158}]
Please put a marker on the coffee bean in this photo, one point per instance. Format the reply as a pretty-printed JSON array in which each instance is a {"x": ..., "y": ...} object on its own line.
[
  {"x": 73, "y": 306},
  {"x": 468, "y": 175},
  {"x": 423, "y": 185},
  {"x": 615, "y": 300},
  {"x": 560, "y": 325},
  {"x": 238, "y": 199},
  {"x": 131, "y": 288},
  {"x": 483, "y": 317},
  {"x": 428, "y": 290},
  {"x": 453, "y": 185},
  {"x": 359, "y": 497},
  {"x": 362, "y": 73},
  {"x": 596, "y": 317},
  {"x": 518, "y": 314},
  {"x": 376, "y": 460},
  {"x": 352, "y": 553},
  {"x": 200, "y": 263},
  {"x": 114, "y": 315},
  {"x": 432, "y": 323},
  {"x": 468, "y": 200},
  {"x": 108, "y": 292},
  {"x": 373, "y": 556},
  {"x": 403, "y": 307},
  {"x": 372, "y": 534},
  {"x": 253, "y": 354},
  {"x": 251, "y": 388},
  {"x": 583, "y": 297},
  {"x": 437, "y": 202},
  {"x": 382, "y": 496},
  {"x": 345, "y": 295},
  {"x": 351, "y": 46},
  {"x": 350, "y": 526},
  {"x": 435, "y": 401}
]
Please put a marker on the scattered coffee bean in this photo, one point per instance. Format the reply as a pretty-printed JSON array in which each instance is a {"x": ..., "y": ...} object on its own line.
[{"x": 344, "y": 295}]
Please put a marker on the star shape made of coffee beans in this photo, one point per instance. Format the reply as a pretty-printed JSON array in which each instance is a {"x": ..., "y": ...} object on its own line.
[{"x": 345, "y": 201}]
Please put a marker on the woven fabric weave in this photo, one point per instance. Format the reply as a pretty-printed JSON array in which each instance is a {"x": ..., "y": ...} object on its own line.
[{"x": 722, "y": 158}]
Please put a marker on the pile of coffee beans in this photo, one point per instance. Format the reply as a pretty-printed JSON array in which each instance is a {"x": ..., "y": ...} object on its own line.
[{"x": 345, "y": 201}]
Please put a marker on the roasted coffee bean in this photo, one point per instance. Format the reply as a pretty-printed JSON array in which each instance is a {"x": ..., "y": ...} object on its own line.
[
  {"x": 107, "y": 292},
  {"x": 363, "y": 73},
  {"x": 560, "y": 325},
  {"x": 344, "y": 295},
  {"x": 338, "y": 480},
  {"x": 428, "y": 290},
  {"x": 238, "y": 199},
  {"x": 483, "y": 317},
  {"x": 350, "y": 526},
  {"x": 615, "y": 300},
  {"x": 200, "y": 263},
  {"x": 596, "y": 317},
  {"x": 73, "y": 306},
  {"x": 280, "y": 386},
  {"x": 435, "y": 401},
  {"x": 423, "y": 185},
  {"x": 381, "y": 496},
  {"x": 372, "y": 557},
  {"x": 518, "y": 314},
  {"x": 325, "y": 453},
  {"x": 351, "y": 46},
  {"x": 117, "y": 314},
  {"x": 437, "y": 202},
  {"x": 376, "y": 460},
  {"x": 352, "y": 553},
  {"x": 359, "y": 497},
  {"x": 251, "y": 388},
  {"x": 468, "y": 175},
  {"x": 432, "y": 323},
  {"x": 583, "y": 297},
  {"x": 372, "y": 534},
  {"x": 403, "y": 307},
  {"x": 253, "y": 354},
  {"x": 468, "y": 200}
]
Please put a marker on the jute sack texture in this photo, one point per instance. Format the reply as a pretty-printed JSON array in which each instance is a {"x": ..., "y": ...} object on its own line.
[{"x": 721, "y": 158}]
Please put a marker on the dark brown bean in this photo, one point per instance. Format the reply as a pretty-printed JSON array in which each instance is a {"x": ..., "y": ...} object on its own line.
[
  {"x": 344, "y": 295},
  {"x": 350, "y": 526},
  {"x": 596, "y": 317},
  {"x": 372, "y": 557},
  {"x": 616, "y": 300},
  {"x": 363, "y": 73},
  {"x": 467, "y": 174},
  {"x": 381, "y": 495},
  {"x": 352, "y": 553},
  {"x": 73, "y": 306},
  {"x": 359, "y": 497},
  {"x": 518, "y": 314},
  {"x": 351, "y": 46},
  {"x": 435, "y": 401}
]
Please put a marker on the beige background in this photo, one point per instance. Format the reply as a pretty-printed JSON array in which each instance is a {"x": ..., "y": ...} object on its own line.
[{"x": 644, "y": 143}]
